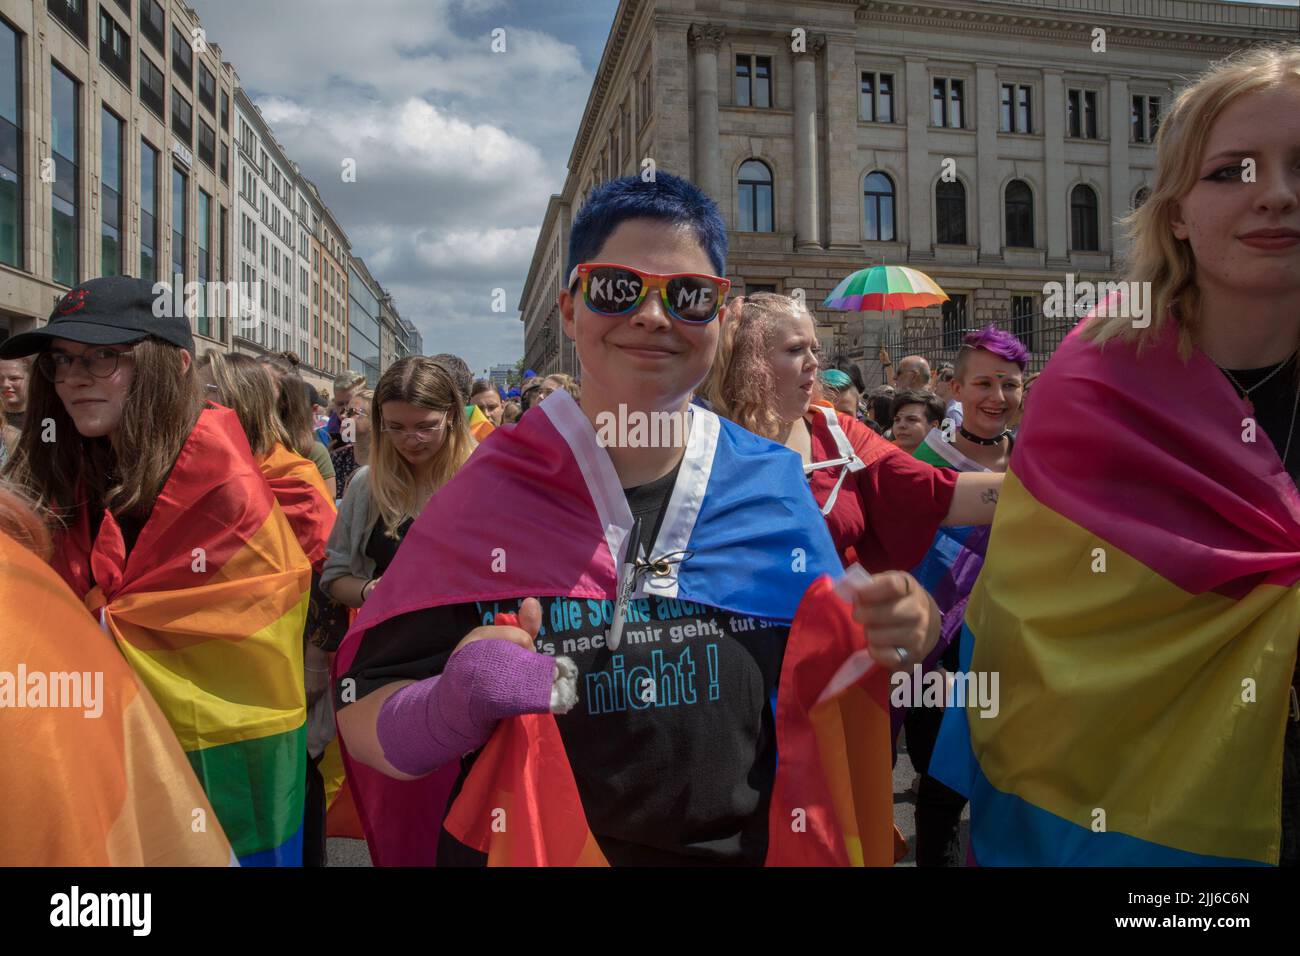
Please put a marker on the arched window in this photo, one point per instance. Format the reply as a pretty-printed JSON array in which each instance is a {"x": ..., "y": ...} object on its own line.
[
  {"x": 950, "y": 209},
  {"x": 1141, "y": 197},
  {"x": 754, "y": 205},
  {"x": 878, "y": 200},
  {"x": 1020, "y": 215},
  {"x": 1083, "y": 219}
]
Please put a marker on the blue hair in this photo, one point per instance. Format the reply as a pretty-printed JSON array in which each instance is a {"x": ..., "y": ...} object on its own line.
[{"x": 667, "y": 198}]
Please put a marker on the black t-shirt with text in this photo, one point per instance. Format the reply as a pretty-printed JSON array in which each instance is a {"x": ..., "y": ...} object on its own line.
[{"x": 672, "y": 742}]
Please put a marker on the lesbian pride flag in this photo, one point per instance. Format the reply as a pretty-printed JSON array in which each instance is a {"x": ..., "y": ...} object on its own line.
[
  {"x": 753, "y": 540},
  {"x": 97, "y": 783},
  {"x": 1143, "y": 706},
  {"x": 208, "y": 610}
]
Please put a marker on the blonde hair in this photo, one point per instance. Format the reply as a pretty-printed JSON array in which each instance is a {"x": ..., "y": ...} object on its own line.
[
  {"x": 566, "y": 382},
  {"x": 1156, "y": 255},
  {"x": 247, "y": 386},
  {"x": 398, "y": 490},
  {"x": 22, "y": 521},
  {"x": 740, "y": 385}
]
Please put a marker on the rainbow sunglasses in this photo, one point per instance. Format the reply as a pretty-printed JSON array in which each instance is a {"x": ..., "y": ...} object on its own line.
[{"x": 612, "y": 290}]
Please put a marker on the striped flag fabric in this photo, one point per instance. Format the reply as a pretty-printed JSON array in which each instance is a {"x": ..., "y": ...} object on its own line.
[
  {"x": 297, "y": 485},
  {"x": 1139, "y": 602},
  {"x": 93, "y": 776},
  {"x": 209, "y": 612},
  {"x": 753, "y": 544}
]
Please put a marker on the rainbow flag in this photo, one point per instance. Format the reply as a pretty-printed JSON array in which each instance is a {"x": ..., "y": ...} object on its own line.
[
  {"x": 209, "y": 612},
  {"x": 300, "y": 491},
  {"x": 753, "y": 542},
  {"x": 1140, "y": 605},
  {"x": 832, "y": 800},
  {"x": 100, "y": 781},
  {"x": 480, "y": 426}
]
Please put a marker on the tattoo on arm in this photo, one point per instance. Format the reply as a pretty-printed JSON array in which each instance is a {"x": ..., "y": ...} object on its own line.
[{"x": 989, "y": 496}]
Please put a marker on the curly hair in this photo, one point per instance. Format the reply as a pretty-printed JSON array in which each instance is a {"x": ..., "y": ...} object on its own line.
[{"x": 740, "y": 385}]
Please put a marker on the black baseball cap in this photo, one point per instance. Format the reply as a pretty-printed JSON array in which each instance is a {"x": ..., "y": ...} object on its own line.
[{"x": 113, "y": 310}]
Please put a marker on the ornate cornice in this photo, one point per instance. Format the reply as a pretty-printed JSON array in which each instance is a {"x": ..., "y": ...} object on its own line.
[
  {"x": 609, "y": 62},
  {"x": 816, "y": 44},
  {"x": 1065, "y": 24},
  {"x": 706, "y": 34}
]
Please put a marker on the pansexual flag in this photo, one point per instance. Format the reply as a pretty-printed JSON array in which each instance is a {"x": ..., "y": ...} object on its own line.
[
  {"x": 752, "y": 542},
  {"x": 1140, "y": 604},
  {"x": 101, "y": 781},
  {"x": 209, "y": 611},
  {"x": 298, "y": 487}
]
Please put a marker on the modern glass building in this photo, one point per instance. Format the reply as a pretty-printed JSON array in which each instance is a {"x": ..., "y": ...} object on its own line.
[{"x": 363, "y": 326}]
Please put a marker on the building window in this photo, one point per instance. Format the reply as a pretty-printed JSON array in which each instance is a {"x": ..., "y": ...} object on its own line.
[
  {"x": 876, "y": 98},
  {"x": 1083, "y": 219},
  {"x": 65, "y": 225},
  {"x": 878, "y": 200},
  {"x": 755, "y": 197},
  {"x": 11, "y": 148},
  {"x": 148, "y": 212},
  {"x": 1144, "y": 119},
  {"x": 72, "y": 14},
  {"x": 947, "y": 98},
  {"x": 152, "y": 19},
  {"x": 207, "y": 144},
  {"x": 753, "y": 80},
  {"x": 205, "y": 261},
  {"x": 225, "y": 113},
  {"x": 1016, "y": 115},
  {"x": 182, "y": 118},
  {"x": 1020, "y": 215},
  {"x": 225, "y": 163},
  {"x": 110, "y": 199},
  {"x": 954, "y": 321},
  {"x": 182, "y": 56},
  {"x": 180, "y": 196},
  {"x": 223, "y": 267},
  {"x": 208, "y": 90},
  {"x": 950, "y": 207},
  {"x": 1022, "y": 319},
  {"x": 1141, "y": 197},
  {"x": 114, "y": 47},
  {"x": 644, "y": 102},
  {"x": 1081, "y": 114},
  {"x": 151, "y": 86}
]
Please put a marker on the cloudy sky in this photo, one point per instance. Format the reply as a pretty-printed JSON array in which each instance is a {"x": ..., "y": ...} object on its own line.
[{"x": 457, "y": 148}]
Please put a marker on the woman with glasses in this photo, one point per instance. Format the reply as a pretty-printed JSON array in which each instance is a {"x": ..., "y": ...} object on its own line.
[
  {"x": 169, "y": 534},
  {"x": 356, "y": 434},
  {"x": 420, "y": 440}
]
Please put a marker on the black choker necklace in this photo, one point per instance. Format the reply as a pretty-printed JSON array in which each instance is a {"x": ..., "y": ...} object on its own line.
[{"x": 990, "y": 442}]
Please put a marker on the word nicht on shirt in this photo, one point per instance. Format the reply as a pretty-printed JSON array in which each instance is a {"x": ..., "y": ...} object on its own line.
[{"x": 662, "y": 684}]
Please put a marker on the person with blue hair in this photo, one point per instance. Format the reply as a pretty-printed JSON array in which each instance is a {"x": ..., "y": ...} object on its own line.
[{"x": 688, "y": 541}]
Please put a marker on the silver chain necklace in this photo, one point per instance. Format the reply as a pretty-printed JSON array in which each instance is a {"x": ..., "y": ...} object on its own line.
[
  {"x": 1246, "y": 391},
  {"x": 1291, "y": 432}
]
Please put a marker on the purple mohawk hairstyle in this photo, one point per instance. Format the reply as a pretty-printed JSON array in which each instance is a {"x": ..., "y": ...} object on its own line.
[{"x": 1000, "y": 342}]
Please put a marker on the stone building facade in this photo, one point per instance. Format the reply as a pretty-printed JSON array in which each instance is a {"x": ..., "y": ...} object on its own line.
[
  {"x": 993, "y": 144},
  {"x": 115, "y": 153}
]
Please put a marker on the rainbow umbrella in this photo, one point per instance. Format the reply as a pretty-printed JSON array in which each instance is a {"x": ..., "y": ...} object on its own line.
[{"x": 882, "y": 288}]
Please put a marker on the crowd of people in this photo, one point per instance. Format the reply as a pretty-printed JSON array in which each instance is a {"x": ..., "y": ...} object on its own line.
[{"x": 508, "y": 640}]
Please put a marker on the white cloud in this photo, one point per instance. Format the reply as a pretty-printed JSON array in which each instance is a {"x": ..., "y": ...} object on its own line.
[{"x": 456, "y": 148}]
